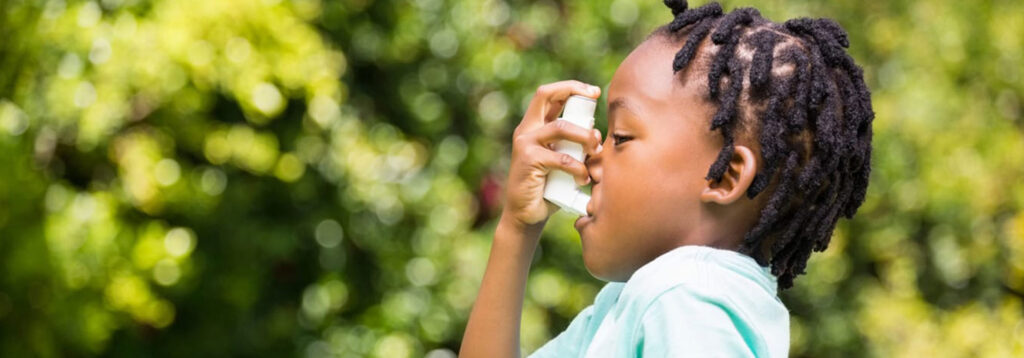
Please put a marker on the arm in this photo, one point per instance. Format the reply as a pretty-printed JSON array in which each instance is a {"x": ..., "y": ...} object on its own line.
[{"x": 493, "y": 327}]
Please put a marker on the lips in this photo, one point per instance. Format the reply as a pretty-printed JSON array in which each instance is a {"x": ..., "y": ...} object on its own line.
[{"x": 582, "y": 222}]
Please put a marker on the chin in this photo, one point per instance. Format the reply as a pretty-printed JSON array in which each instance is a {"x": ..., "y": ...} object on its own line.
[{"x": 601, "y": 269}]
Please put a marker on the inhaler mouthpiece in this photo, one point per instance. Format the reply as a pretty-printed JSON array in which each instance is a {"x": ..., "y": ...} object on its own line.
[{"x": 560, "y": 188}]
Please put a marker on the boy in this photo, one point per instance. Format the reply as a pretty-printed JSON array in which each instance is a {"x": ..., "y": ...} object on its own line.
[{"x": 694, "y": 256}]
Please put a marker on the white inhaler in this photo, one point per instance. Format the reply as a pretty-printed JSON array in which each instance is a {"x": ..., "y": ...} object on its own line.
[{"x": 561, "y": 188}]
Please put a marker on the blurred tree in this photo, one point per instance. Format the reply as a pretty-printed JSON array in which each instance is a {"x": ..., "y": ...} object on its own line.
[{"x": 297, "y": 177}]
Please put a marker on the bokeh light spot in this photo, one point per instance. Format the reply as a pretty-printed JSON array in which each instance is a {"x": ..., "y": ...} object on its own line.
[
  {"x": 100, "y": 51},
  {"x": 238, "y": 50},
  {"x": 289, "y": 168},
  {"x": 624, "y": 12},
  {"x": 179, "y": 242},
  {"x": 166, "y": 272},
  {"x": 12, "y": 118},
  {"x": 267, "y": 99},
  {"x": 89, "y": 14},
  {"x": 167, "y": 172},
  {"x": 213, "y": 181},
  {"x": 329, "y": 233},
  {"x": 444, "y": 43},
  {"x": 85, "y": 95},
  {"x": 70, "y": 66},
  {"x": 421, "y": 271}
]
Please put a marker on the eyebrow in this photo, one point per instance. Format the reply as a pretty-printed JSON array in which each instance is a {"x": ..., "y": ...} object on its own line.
[
  {"x": 621, "y": 102},
  {"x": 617, "y": 103}
]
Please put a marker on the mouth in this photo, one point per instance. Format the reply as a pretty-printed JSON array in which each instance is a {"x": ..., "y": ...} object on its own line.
[{"x": 582, "y": 222}]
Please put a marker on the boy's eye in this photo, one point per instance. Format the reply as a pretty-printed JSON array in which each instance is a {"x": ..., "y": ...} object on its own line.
[{"x": 619, "y": 139}]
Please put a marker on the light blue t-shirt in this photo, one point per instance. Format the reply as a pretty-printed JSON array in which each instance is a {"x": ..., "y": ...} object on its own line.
[{"x": 693, "y": 301}]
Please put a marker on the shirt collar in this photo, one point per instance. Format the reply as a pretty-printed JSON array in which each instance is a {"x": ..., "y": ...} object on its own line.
[{"x": 734, "y": 261}]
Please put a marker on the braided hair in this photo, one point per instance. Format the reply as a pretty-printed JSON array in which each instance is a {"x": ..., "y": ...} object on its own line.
[{"x": 805, "y": 100}]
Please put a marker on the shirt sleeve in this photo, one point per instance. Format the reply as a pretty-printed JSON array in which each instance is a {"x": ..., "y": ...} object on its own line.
[
  {"x": 570, "y": 342},
  {"x": 573, "y": 342},
  {"x": 684, "y": 323}
]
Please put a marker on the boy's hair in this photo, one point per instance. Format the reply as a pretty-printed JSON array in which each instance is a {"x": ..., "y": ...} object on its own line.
[{"x": 805, "y": 101}]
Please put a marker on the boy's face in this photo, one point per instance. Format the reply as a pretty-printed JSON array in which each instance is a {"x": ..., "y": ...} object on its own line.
[{"x": 649, "y": 176}]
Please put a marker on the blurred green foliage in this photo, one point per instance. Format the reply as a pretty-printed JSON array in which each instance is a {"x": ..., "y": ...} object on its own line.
[{"x": 303, "y": 177}]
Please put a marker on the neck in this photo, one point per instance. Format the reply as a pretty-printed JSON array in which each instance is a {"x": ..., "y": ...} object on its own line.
[{"x": 717, "y": 234}]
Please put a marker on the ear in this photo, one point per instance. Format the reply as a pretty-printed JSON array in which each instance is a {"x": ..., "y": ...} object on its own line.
[{"x": 735, "y": 181}]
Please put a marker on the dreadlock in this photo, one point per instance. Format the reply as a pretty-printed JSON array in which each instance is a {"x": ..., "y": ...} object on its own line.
[{"x": 812, "y": 113}]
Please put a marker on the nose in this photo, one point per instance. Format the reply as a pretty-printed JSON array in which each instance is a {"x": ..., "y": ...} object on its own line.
[{"x": 593, "y": 163}]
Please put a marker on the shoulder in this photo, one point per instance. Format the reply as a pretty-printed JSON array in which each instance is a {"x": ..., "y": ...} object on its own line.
[
  {"x": 717, "y": 302},
  {"x": 704, "y": 321},
  {"x": 710, "y": 271}
]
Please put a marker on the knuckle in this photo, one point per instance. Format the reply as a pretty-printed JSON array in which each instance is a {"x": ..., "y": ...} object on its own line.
[
  {"x": 522, "y": 145},
  {"x": 517, "y": 142},
  {"x": 581, "y": 87},
  {"x": 523, "y": 154},
  {"x": 566, "y": 160},
  {"x": 544, "y": 90},
  {"x": 561, "y": 126}
]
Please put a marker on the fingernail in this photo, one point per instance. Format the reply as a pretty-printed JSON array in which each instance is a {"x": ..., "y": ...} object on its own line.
[
  {"x": 594, "y": 89},
  {"x": 599, "y": 148}
]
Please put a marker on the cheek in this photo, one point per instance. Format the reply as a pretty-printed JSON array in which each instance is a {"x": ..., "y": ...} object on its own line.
[
  {"x": 633, "y": 197},
  {"x": 682, "y": 166},
  {"x": 661, "y": 176},
  {"x": 647, "y": 189}
]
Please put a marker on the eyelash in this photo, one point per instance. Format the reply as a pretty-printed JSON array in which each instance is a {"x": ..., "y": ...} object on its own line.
[{"x": 619, "y": 139}]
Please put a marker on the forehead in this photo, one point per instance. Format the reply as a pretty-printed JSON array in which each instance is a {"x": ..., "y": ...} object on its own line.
[
  {"x": 646, "y": 73},
  {"x": 645, "y": 79}
]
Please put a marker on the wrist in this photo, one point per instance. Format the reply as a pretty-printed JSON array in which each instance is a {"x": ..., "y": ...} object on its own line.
[
  {"x": 509, "y": 224},
  {"x": 515, "y": 239}
]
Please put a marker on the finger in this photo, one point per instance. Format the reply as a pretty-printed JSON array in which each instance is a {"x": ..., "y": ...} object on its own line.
[
  {"x": 547, "y": 102},
  {"x": 559, "y": 130},
  {"x": 550, "y": 160},
  {"x": 597, "y": 136}
]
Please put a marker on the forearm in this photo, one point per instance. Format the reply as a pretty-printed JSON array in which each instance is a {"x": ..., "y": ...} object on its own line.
[{"x": 493, "y": 327}]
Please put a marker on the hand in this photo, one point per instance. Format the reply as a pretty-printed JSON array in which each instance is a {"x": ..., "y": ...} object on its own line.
[{"x": 533, "y": 158}]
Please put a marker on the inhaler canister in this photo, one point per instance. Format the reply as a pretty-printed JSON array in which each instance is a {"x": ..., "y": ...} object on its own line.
[{"x": 561, "y": 188}]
